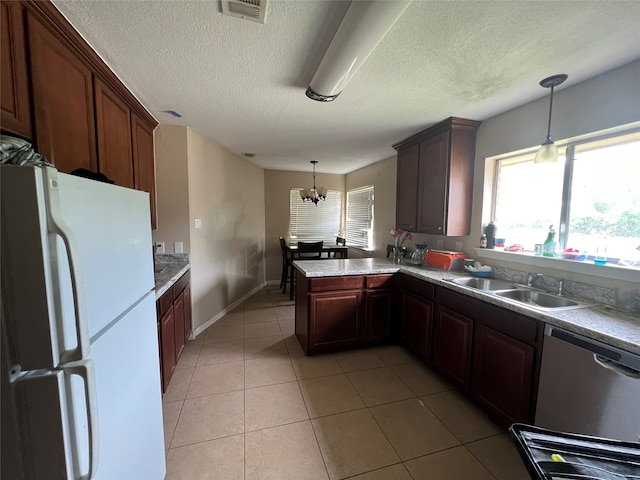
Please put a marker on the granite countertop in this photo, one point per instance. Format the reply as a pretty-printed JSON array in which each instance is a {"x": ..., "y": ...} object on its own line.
[
  {"x": 597, "y": 322},
  {"x": 168, "y": 269}
]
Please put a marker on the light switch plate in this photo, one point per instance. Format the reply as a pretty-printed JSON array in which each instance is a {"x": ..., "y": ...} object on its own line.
[
  {"x": 177, "y": 247},
  {"x": 159, "y": 247},
  {"x": 198, "y": 223}
]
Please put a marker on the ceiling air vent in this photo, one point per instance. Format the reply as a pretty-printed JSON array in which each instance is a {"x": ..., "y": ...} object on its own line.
[{"x": 254, "y": 10}]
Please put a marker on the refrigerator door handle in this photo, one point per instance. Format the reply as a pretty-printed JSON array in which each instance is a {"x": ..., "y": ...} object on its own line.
[
  {"x": 86, "y": 370},
  {"x": 57, "y": 226}
]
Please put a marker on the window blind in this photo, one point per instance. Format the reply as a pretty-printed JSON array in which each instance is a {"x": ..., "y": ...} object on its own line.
[
  {"x": 312, "y": 223},
  {"x": 360, "y": 217}
]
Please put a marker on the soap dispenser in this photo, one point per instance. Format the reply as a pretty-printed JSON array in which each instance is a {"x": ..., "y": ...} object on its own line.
[{"x": 549, "y": 246}]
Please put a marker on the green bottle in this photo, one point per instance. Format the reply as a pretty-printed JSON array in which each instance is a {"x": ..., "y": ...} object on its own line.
[{"x": 549, "y": 246}]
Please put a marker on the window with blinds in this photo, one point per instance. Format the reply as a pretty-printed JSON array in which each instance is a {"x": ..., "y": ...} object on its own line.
[
  {"x": 312, "y": 223},
  {"x": 360, "y": 217}
]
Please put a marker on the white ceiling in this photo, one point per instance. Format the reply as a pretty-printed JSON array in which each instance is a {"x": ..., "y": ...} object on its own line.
[{"x": 242, "y": 84}]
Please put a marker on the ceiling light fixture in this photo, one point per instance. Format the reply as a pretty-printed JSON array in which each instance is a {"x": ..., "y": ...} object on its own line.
[
  {"x": 548, "y": 151},
  {"x": 361, "y": 29},
  {"x": 313, "y": 194}
]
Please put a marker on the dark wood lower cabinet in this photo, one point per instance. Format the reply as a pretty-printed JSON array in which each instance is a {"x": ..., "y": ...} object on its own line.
[
  {"x": 337, "y": 313},
  {"x": 167, "y": 347},
  {"x": 377, "y": 315},
  {"x": 490, "y": 353},
  {"x": 334, "y": 320},
  {"x": 452, "y": 343},
  {"x": 174, "y": 314},
  {"x": 417, "y": 320},
  {"x": 178, "y": 310},
  {"x": 502, "y": 375}
]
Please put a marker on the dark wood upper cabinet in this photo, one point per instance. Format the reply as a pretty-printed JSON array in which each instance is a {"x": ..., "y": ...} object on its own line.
[
  {"x": 59, "y": 94},
  {"x": 113, "y": 126},
  {"x": 441, "y": 197},
  {"x": 62, "y": 101},
  {"x": 14, "y": 89},
  {"x": 143, "y": 162},
  {"x": 407, "y": 188}
]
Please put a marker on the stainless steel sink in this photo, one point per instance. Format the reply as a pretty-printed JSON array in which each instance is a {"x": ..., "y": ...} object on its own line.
[
  {"x": 487, "y": 284},
  {"x": 540, "y": 300}
]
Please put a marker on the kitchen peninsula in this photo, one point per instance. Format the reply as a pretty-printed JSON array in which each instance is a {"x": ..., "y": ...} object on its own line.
[{"x": 487, "y": 346}]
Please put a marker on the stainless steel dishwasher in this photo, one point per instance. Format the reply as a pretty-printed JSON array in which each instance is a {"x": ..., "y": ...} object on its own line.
[{"x": 588, "y": 387}]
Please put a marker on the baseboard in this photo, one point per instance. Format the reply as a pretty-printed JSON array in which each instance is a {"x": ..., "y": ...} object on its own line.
[{"x": 197, "y": 331}]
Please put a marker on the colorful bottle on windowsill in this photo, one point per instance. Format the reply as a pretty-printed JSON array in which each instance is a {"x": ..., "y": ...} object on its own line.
[
  {"x": 549, "y": 245},
  {"x": 600, "y": 257}
]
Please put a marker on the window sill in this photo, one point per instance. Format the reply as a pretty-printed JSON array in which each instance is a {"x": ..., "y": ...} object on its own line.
[{"x": 616, "y": 272}]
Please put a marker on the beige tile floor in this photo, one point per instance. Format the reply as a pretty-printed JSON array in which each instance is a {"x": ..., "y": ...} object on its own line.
[{"x": 244, "y": 403}]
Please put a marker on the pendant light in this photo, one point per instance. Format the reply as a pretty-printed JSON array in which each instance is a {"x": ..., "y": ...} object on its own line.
[
  {"x": 313, "y": 194},
  {"x": 548, "y": 151}
]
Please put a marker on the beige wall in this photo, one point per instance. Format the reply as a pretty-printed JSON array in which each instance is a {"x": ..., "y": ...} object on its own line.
[
  {"x": 277, "y": 184},
  {"x": 226, "y": 192},
  {"x": 196, "y": 178},
  {"x": 172, "y": 187},
  {"x": 382, "y": 176}
]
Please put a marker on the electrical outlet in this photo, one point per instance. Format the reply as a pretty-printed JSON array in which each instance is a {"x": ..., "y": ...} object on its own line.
[
  {"x": 439, "y": 244},
  {"x": 159, "y": 247},
  {"x": 177, "y": 247},
  {"x": 458, "y": 246}
]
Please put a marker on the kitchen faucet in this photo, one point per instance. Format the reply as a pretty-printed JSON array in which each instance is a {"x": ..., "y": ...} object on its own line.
[{"x": 533, "y": 277}]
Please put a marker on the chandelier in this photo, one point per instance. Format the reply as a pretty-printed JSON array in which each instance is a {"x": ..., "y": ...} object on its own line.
[{"x": 313, "y": 194}]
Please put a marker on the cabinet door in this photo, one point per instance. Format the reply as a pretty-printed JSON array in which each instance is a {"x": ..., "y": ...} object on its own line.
[
  {"x": 433, "y": 178},
  {"x": 187, "y": 312},
  {"x": 407, "y": 188},
  {"x": 417, "y": 318},
  {"x": 14, "y": 89},
  {"x": 62, "y": 101},
  {"x": 377, "y": 315},
  {"x": 334, "y": 320},
  {"x": 178, "y": 313},
  {"x": 167, "y": 323},
  {"x": 452, "y": 337},
  {"x": 502, "y": 375},
  {"x": 143, "y": 162},
  {"x": 113, "y": 125}
]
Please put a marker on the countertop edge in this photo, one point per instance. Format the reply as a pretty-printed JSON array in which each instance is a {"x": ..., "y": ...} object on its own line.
[
  {"x": 597, "y": 322},
  {"x": 167, "y": 284}
]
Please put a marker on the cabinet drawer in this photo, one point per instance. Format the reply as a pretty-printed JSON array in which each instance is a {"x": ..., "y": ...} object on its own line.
[
  {"x": 378, "y": 281},
  {"x": 510, "y": 323},
  {"x": 165, "y": 301},
  {"x": 419, "y": 287},
  {"x": 182, "y": 282},
  {"x": 326, "y": 284}
]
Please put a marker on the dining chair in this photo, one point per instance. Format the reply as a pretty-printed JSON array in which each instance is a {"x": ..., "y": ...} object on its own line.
[
  {"x": 306, "y": 251},
  {"x": 310, "y": 250},
  {"x": 340, "y": 241},
  {"x": 285, "y": 277}
]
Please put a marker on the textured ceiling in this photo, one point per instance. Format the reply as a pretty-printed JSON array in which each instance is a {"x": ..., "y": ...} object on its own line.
[{"x": 242, "y": 84}]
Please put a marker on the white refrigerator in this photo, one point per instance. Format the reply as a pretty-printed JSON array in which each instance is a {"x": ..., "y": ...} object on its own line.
[{"x": 81, "y": 395}]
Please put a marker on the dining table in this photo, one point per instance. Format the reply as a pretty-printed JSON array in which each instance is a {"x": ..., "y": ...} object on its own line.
[{"x": 331, "y": 251}]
